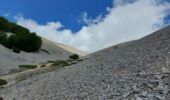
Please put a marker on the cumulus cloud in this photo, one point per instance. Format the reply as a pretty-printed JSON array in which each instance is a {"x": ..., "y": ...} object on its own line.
[{"x": 125, "y": 21}]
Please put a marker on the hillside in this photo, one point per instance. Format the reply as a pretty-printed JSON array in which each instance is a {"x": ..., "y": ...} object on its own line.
[
  {"x": 70, "y": 49},
  {"x": 138, "y": 70},
  {"x": 19, "y": 46},
  {"x": 9, "y": 60}
]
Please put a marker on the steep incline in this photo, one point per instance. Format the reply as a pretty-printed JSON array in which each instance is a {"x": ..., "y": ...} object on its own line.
[{"x": 139, "y": 70}]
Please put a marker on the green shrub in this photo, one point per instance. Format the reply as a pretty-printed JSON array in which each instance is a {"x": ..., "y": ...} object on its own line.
[
  {"x": 13, "y": 40},
  {"x": 51, "y": 61},
  {"x": 70, "y": 60},
  {"x": 3, "y": 82},
  {"x": 28, "y": 66},
  {"x": 3, "y": 38},
  {"x": 29, "y": 42},
  {"x": 80, "y": 60},
  {"x": 115, "y": 47},
  {"x": 4, "y": 24},
  {"x": 74, "y": 56},
  {"x": 60, "y": 63},
  {"x": 16, "y": 50}
]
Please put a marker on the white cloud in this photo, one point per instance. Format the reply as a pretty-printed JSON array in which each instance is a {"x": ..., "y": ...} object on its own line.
[
  {"x": 125, "y": 21},
  {"x": 88, "y": 21}
]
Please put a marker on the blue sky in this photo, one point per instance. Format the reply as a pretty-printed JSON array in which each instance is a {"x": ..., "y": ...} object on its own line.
[
  {"x": 66, "y": 11},
  {"x": 89, "y": 25}
]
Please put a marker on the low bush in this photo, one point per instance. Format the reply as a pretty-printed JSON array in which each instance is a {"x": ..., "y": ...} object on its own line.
[
  {"x": 3, "y": 82},
  {"x": 51, "y": 61},
  {"x": 80, "y": 60},
  {"x": 16, "y": 50},
  {"x": 60, "y": 63},
  {"x": 70, "y": 60},
  {"x": 3, "y": 38},
  {"x": 74, "y": 56},
  {"x": 115, "y": 47},
  {"x": 28, "y": 66}
]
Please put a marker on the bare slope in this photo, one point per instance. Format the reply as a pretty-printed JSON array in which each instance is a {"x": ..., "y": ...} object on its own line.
[
  {"x": 9, "y": 60},
  {"x": 70, "y": 49},
  {"x": 136, "y": 71}
]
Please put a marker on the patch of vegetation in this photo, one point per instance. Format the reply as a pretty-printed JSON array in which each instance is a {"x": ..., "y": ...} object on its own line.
[
  {"x": 28, "y": 66},
  {"x": 3, "y": 82},
  {"x": 16, "y": 50},
  {"x": 21, "y": 38},
  {"x": 45, "y": 51},
  {"x": 60, "y": 63},
  {"x": 74, "y": 56},
  {"x": 115, "y": 47},
  {"x": 70, "y": 60},
  {"x": 80, "y": 60},
  {"x": 3, "y": 38},
  {"x": 51, "y": 61}
]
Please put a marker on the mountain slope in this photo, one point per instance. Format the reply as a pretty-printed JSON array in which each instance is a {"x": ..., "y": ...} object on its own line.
[
  {"x": 150, "y": 53},
  {"x": 9, "y": 61},
  {"x": 73, "y": 50},
  {"x": 139, "y": 70},
  {"x": 70, "y": 49}
]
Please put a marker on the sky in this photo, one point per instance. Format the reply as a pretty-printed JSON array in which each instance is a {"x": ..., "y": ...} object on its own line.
[
  {"x": 68, "y": 12},
  {"x": 89, "y": 25}
]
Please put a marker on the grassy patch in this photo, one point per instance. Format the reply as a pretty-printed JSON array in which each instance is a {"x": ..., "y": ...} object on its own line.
[
  {"x": 3, "y": 82},
  {"x": 28, "y": 66},
  {"x": 70, "y": 60},
  {"x": 51, "y": 61},
  {"x": 66, "y": 63},
  {"x": 80, "y": 60},
  {"x": 60, "y": 63}
]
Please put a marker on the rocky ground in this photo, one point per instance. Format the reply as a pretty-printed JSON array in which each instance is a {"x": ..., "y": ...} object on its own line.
[{"x": 139, "y": 70}]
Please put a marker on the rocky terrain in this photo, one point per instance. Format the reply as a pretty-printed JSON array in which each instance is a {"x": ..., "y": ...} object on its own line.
[
  {"x": 137, "y": 70},
  {"x": 9, "y": 61}
]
